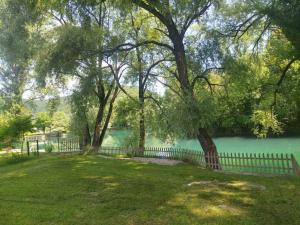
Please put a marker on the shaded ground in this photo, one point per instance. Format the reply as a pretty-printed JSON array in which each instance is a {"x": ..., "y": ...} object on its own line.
[{"x": 92, "y": 190}]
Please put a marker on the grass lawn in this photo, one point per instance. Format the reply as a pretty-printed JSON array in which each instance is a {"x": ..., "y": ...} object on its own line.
[{"x": 91, "y": 190}]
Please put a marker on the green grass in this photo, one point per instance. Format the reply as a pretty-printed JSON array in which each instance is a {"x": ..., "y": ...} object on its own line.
[{"x": 92, "y": 190}]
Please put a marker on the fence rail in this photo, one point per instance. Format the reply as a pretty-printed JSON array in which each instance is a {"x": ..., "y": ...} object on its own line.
[
  {"x": 259, "y": 164},
  {"x": 68, "y": 144}
]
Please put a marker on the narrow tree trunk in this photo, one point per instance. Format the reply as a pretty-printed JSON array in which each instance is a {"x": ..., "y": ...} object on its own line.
[
  {"x": 142, "y": 132},
  {"x": 97, "y": 130},
  {"x": 107, "y": 119},
  {"x": 104, "y": 129},
  {"x": 86, "y": 136}
]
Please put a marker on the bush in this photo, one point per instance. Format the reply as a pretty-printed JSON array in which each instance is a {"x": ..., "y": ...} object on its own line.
[
  {"x": 13, "y": 127},
  {"x": 17, "y": 158},
  {"x": 49, "y": 148}
]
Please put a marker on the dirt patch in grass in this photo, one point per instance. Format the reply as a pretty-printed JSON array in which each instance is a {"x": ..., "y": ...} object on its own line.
[
  {"x": 167, "y": 162},
  {"x": 244, "y": 186}
]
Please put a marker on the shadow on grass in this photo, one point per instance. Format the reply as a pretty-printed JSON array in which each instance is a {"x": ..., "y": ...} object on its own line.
[
  {"x": 92, "y": 190},
  {"x": 147, "y": 192}
]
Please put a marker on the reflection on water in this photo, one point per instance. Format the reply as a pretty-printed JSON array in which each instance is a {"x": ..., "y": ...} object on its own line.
[{"x": 225, "y": 144}]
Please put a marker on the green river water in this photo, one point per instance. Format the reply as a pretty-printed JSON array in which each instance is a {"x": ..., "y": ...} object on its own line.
[{"x": 116, "y": 138}]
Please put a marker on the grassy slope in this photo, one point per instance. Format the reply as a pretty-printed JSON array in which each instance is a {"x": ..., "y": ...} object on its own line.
[{"x": 91, "y": 190}]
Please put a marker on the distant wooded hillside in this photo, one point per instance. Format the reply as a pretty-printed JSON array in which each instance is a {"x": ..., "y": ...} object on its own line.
[{"x": 41, "y": 105}]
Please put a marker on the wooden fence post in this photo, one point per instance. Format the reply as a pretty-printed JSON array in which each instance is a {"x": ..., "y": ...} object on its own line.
[
  {"x": 28, "y": 150},
  {"x": 295, "y": 166},
  {"x": 58, "y": 143},
  {"x": 37, "y": 148}
]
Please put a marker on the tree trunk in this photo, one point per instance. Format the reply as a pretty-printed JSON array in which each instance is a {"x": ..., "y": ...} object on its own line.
[
  {"x": 86, "y": 136},
  {"x": 142, "y": 132},
  {"x": 209, "y": 148},
  {"x": 107, "y": 119},
  {"x": 180, "y": 58},
  {"x": 206, "y": 142},
  {"x": 97, "y": 130}
]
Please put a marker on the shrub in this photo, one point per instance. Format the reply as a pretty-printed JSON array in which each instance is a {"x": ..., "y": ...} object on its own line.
[
  {"x": 13, "y": 127},
  {"x": 49, "y": 148}
]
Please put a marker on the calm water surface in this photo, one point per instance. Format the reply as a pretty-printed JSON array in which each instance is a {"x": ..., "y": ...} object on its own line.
[{"x": 224, "y": 144}]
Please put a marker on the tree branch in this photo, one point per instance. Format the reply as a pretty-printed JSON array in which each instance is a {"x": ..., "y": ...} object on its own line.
[
  {"x": 117, "y": 79},
  {"x": 152, "y": 10},
  {"x": 154, "y": 100},
  {"x": 130, "y": 46},
  {"x": 192, "y": 18},
  {"x": 150, "y": 68},
  {"x": 202, "y": 75},
  {"x": 281, "y": 79},
  {"x": 169, "y": 86}
]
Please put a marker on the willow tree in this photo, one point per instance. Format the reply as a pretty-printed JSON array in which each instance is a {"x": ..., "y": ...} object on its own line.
[
  {"x": 15, "y": 49},
  {"x": 142, "y": 62},
  {"x": 174, "y": 20},
  {"x": 78, "y": 29},
  {"x": 262, "y": 17}
]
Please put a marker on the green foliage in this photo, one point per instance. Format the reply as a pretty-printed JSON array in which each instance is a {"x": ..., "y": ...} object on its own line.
[
  {"x": 19, "y": 125},
  {"x": 15, "y": 49},
  {"x": 49, "y": 148},
  {"x": 181, "y": 117},
  {"x": 55, "y": 42},
  {"x": 13, "y": 127},
  {"x": 126, "y": 111},
  {"x": 289, "y": 24},
  {"x": 264, "y": 122},
  {"x": 52, "y": 105},
  {"x": 43, "y": 121},
  {"x": 60, "y": 122}
]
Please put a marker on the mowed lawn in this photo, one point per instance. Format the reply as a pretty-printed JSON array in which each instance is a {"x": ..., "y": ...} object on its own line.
[{"x": 91, "y": 190}]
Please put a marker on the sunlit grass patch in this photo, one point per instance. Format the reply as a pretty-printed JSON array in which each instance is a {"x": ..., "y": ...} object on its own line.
[{"x": 92, "y": 190}]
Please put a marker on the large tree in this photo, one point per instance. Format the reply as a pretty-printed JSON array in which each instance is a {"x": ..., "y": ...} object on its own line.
[
  {"x": 142, "y": 62},
  {"x": 78, "y": 30},
  {"x": 175, "y": 18},
  {"x": 15, "y": 49}
]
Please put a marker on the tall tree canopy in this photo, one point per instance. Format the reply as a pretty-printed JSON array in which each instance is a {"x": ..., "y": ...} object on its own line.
[{"x": 185, "y": 68}]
